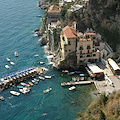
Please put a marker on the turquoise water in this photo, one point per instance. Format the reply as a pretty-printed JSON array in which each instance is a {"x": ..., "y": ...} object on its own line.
[{"x": 17, "y": 22}]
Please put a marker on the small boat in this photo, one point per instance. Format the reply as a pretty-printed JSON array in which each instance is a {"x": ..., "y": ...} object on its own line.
[
  {"x": 47, "y": 90},
  {"x": 8, "y": 59},
  {"x": 7, "y": 66},
  {"x": 82, "y": 76},
  {"x": 48, "y": 77},
  {"x": 31, "y": 83},
  {"x": 16, "y": 54},
  {"x": 36, "y": 80},
  {"x": 2, "y": 98},
  {"x": 24, "y": 90},
  {"x": 73, "y": 78},
  {"x": 24, "y": 84},
  {"x": 41, "y": 78},
  {"x": 38, "y": 16},
  {"x": 41, "y": 63},
  {"x": 36, "y": 55},
  {"x": 12, "y": 63},
  {"x": 19, "y": 86},
  {"x": 65, "y": 71},
  {"x": 14, "y": 93},
  {"x": 71, "y": 73},
  {"x": 72, "y": 88},
  {"x": 77, "y": 72}
]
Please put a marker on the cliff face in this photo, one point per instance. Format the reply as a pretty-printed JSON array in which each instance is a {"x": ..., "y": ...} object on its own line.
[{"x": 105, "y": 18}]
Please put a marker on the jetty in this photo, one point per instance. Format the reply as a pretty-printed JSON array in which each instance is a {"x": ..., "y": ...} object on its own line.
[
  {"x": 76, "y": 83},
  {"x": 14, "y": 78}
]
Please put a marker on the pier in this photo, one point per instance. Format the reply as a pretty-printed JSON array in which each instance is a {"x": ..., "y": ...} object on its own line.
[
  {"x": 76, "y": 83},
  {"x": 14, "y": 78}
]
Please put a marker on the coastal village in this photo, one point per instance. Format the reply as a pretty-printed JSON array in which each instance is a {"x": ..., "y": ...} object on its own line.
[{"x": 76, "y": 49}]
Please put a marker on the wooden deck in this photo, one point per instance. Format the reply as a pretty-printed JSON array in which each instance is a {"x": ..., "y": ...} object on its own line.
[{"x": 76, "y": 83}]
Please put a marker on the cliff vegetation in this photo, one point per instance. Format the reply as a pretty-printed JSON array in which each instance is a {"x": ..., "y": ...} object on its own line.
[{"x": 103, "y": 108}]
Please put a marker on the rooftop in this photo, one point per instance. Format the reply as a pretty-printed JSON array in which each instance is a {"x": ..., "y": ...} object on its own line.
[
  {"x": 54, "y": 8},
  {"x": 69, "y": 32}
]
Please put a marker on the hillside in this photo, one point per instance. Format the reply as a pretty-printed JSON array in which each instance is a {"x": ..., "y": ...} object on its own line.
[{"x": 103, "y": 108}]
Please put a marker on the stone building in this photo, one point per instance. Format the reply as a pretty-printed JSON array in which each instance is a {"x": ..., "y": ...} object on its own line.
[
  {"x": 53, "y": 13},
  {"x": 68, "y": 39}
]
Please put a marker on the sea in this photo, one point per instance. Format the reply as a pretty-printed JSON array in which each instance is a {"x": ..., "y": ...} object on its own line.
[{"x": 17, "y": 24}]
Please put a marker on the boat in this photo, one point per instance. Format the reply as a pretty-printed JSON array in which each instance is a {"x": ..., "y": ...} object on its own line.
[
  {"x": 16, "y": 54},
  {"x": 65, "y": 71},
  {"x": 7, "y": 66},
  {"x": 82, "y": 76},
  {"x": 31, "y": 83},
  {"x": 14, "y": 93},
  {"x": 48, "y": 77},
  {"x": 41, "y": 78},
  {"x": 41, "y": 63},
  {"x": 2, "y": 98},
  {"x": 38, "y": 16},
  {"x": 73, "y": 78},
  {"x": 70, "y": 73},
  {"x": 47, "y": 90},
  {"x": 8, "y": 59},
  {"x": 24, "y": 90},
  {"x": 72, "y": 88},
  {"x": 19, "y": 86},
  {"x": 36, "y": 55},
  {"x": 36, "y": 80},
  {"x": 12, "y": 63},
  {"x": 23, "y": 84}
]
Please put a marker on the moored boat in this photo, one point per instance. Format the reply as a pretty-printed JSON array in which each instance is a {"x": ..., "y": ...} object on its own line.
[
  {"x": 48, "y": 77},
  {"x": 65, "y": 71},
  {"x": 8, "y": 59},
  {"x": 24, "y": 90},
  {"x": 71, "y": 73},
  {"x": 16, "y": 54},
  {"x": 35, "y": 82},
  {"x": 31, "y": 83},
  {"x": 7, "y": 66},
  {"x": 47, "y": 90},
  {"x": 14, "y": 93},
  {"x": 2, "y": 98},
  {"x": 41, "y": 78},
  {"x": 72, "y": 88},
  {"x": 12, "y": 63},
  {"x": 41, "y": 63},
  {"x": 19, "y": 86},
  {"x": 36, "y": 55}
]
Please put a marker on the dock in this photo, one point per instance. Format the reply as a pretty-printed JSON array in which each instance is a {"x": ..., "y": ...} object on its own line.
[
  {"x": 76, "y": 83},
  {"x": 15, "y": 78}
]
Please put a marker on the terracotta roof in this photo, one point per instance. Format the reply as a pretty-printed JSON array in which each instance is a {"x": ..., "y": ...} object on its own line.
[
  {"x": 54, "y": 8},
  {"x": 69, "y": 32},
  {"x": 90, "y": 33}
]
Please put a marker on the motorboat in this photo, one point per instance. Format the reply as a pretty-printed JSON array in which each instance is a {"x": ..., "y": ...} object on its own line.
[
  {"x": 12, "y": 63},
  {"x": 41, "y": 78},
  {"x": 8, "y": 59},
  {"x": 36, "y": 55},
  {"x": 24, "y": 84},
  {"x": 41, "y": 63},
  {"x": 14, "y": 93},
  {"x": 38, "y": 16},
  {"x": 65, "y": 71},
  {"x": 73, "y": 79},
  {"x": 72, "y": 88},
  {"x": 16, "y": 53},
  {"x": 7, "y": 66},
  {"x": 35, "y": 82},
  {"x": 2, "y": 98},
  {"x": 70, "y": 73},
  {"x": 48, "y": 77},
  {"x": 24, "y": 90},
  {"x": 31, "y": 84},
  {"x": 47, "y": 90},
  {"x": 19, "y": 86}
]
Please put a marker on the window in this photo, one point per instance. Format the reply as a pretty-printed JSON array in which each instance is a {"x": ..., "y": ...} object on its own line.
[
  {"x": 88, "y": 47},
  {"x": 81, "y": 48},
  {"x": 69, "y": 50},
  {"x": 81, "y": 56},
  {"x": 69, "y": 43},
  {"x": 65, "y": 50},
  {"x": 94, "y": 54},
  {"x": 88, "y": 55}
]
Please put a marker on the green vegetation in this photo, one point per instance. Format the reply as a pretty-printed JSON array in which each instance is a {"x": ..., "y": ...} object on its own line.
[{"x": 103, "y": 108}]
